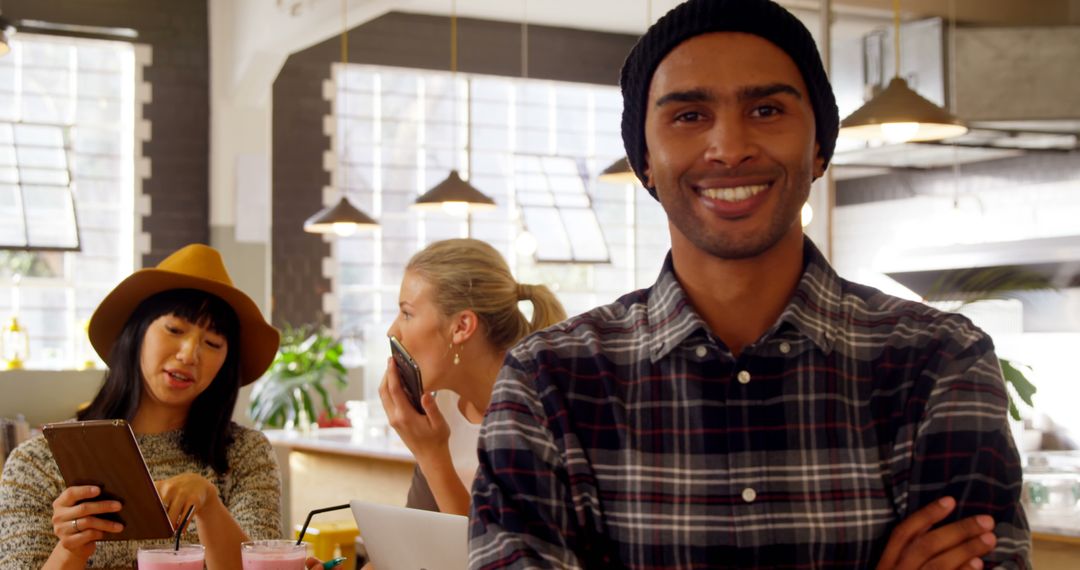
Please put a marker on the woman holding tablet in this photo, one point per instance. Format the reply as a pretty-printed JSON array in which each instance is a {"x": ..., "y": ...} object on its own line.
[
  {"x": 179, "y": 341},
  {"x": 458, "y": 315}
]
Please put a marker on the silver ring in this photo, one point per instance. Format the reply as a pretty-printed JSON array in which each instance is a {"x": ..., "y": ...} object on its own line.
[{"x": 75, "y": 525}]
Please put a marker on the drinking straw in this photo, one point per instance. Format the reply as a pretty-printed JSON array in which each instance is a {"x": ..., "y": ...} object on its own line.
[
  {"x": 180, "y": 527},
  {"x": 307, "y": 521}
]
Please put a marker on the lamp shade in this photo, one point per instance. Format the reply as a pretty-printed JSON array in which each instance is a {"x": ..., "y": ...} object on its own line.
[
  {"x": 899, "y": 114},
  {"x": 619, "y": 172},
  {"x": 454, "y": 193},
  {"x": 342, "y": 218}
]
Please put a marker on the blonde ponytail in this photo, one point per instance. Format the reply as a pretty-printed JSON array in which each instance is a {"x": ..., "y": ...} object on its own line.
[
  {"x": 470, "y": 274},
  {"x": 547, "y": 310}
]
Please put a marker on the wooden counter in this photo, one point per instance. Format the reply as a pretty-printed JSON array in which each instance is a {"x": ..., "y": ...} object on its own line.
[
  {"x": 335, "y": 465},
  {"x": 1054, "y": 551}
]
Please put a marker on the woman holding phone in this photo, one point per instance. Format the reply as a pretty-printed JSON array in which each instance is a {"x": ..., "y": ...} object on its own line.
[
  {"x": 179, "y": 341},
  {"x": 458, "y": 315}
]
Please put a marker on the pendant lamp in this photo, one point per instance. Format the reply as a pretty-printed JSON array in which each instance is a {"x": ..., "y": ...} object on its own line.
[
  {"x": 899, "y": 114},
  {"x": 454, "y": 195},
  {"x": 6, "y": 29},
  {"x": 618, "y": 173},
  {"x": 342, "y": 218}
]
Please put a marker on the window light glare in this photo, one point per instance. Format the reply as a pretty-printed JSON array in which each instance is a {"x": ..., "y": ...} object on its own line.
[{"x": 525, "y": 244}]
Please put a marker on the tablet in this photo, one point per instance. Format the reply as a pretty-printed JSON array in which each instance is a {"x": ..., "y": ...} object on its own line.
[{"x": 104, "y": 453}]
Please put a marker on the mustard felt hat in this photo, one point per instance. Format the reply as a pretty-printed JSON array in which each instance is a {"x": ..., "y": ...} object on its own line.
[{"x": 194, "y": 266}]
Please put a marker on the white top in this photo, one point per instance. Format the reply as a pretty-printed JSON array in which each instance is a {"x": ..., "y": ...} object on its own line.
[{"x": 463, "y": 437}]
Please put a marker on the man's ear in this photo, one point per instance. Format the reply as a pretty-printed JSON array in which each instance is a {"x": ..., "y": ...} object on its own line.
[
  {"x": 463, "y": 325},
  {"x": 819, "y": 162}
]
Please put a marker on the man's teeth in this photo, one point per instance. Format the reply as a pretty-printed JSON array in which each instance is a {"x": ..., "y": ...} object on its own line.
[{"x": 735, "y": 194}]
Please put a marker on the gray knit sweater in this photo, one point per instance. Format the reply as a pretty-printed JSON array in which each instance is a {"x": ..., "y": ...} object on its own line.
[{"x": 251, "y": 490}]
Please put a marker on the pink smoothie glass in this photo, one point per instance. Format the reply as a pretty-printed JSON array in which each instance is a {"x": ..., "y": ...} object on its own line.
[
  {"x": 273, "y": 555},
  {"x": 188, "y": 557}
]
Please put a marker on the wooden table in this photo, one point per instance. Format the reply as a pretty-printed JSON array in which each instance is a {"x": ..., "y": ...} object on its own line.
[{"x": 335, "y": 465}]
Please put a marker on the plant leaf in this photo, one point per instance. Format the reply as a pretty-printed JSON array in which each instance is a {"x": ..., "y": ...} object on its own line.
[
  {"x": 308, "y": 357},
  {"x": 966, "y": 286},
  {"x": 1013, "y": 375},
  {"x": 328, "y": 405},
  {"x": 984, "y": 283}
]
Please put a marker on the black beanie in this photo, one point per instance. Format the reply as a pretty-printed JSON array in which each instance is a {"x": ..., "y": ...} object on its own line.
[{"x": 695, "y": 17}]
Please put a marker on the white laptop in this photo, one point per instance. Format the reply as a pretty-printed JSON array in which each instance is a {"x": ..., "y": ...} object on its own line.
[{"x": 398, "y": 538}]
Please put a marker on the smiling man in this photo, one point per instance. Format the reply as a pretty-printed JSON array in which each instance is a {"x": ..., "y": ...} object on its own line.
[{"x": 751, "y": 408}]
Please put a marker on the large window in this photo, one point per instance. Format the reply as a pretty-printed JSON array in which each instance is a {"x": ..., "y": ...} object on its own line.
[
  {"x": 66, "y": 136},
  {"x": 534, "y": 146}
]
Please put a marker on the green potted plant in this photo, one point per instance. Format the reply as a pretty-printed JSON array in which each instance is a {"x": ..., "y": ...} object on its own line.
[
  {"x": 307, "y": 359},
  {"x": 960, "y": 287}
]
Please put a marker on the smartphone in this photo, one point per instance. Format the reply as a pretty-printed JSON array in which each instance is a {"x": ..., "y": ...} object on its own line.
[
  {"x": 409, "y": 372},
  {"x": 104, "y": 453}
]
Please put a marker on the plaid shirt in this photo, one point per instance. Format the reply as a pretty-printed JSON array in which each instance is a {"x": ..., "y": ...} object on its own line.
[{"x": 629, "y": 436}]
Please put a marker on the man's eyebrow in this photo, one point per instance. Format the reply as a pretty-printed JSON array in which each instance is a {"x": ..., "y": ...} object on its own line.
[
  {"x": 762, "y": 91},
  {"x": 688, "y": 96},
  {"x": 744, "y": 94}
]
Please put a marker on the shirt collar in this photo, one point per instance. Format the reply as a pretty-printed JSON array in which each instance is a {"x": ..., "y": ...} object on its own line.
[
  {"x": 813, "y": 310},
  {"x": 671, "y": 316}
]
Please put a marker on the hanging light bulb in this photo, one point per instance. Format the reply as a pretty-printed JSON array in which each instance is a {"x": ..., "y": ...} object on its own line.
[
  {"x": 454, "y": 195},
  {"x": 344, "y": 229},
  {"x": 899, "y": 132},
  {"x": 341, "y": 219},
  {"x": 6, "y": 29},
  {"x": 899, "y": 114},
  {"x": 456, "y": 208}
]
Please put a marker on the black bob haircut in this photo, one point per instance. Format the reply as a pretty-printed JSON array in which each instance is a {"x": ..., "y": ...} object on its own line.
[{"x": 208, "y": 430}]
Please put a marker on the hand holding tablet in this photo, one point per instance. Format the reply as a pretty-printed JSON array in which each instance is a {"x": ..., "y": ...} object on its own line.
[{"x": 105, "y": 455}]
